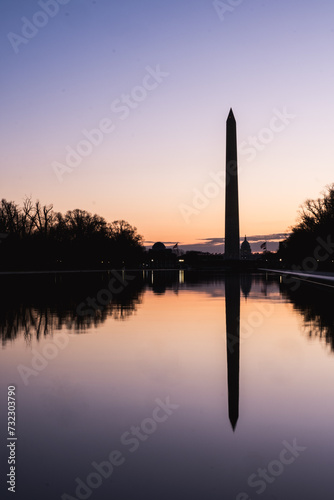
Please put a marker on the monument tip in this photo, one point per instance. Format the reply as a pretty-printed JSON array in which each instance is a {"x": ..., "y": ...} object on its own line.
[
  {"x": 233, "y": 424},
  {"x": 231, "y": 115}
]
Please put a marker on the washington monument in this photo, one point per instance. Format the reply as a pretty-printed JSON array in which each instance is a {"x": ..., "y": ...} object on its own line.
[{"x": 232, "y": 237}]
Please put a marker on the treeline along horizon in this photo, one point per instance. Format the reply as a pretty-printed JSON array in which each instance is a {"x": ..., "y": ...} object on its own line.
[{"x": 35, "y": 237}]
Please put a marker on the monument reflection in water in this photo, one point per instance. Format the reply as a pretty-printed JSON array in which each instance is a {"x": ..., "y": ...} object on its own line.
[{"x": 232, "y": 308}]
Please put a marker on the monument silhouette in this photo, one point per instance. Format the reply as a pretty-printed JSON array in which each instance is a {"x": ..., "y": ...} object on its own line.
[{"x": 232, "y": 237}]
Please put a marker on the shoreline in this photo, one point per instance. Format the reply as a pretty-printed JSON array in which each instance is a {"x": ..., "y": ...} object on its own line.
[{"x": 323, "y": 275}]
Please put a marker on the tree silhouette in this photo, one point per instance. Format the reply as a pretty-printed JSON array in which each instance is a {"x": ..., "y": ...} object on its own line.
[
  {"x": 316, "y": 220},
  {"x": 39, "y": 238}
]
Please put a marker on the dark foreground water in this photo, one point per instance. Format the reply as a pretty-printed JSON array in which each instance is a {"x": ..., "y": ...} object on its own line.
[{"x": 147, "y": 386}]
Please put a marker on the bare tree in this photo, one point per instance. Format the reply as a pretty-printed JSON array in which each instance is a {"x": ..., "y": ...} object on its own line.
[
  {"x": 44, "y": 217},
  {"x": 9, "y": 217},
  {"x": 315, "y": 214},
  {"x": 28, "y": 216}
]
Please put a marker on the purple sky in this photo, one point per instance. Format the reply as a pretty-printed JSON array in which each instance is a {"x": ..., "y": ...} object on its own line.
[{"x": 158, "y": 78}]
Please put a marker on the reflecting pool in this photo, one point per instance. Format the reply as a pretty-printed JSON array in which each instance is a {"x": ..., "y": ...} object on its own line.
[{"x": 170, "y": 385}]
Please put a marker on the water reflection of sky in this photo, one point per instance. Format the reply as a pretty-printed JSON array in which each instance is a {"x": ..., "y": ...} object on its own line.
[{"x": 173, "y": 345}]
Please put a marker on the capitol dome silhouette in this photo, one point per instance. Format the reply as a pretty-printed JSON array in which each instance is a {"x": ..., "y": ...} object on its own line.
[{"x": 245, "y": 249}]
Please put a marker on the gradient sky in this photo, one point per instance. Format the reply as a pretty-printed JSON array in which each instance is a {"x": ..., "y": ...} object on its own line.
[{"x": 260, "y": 58}]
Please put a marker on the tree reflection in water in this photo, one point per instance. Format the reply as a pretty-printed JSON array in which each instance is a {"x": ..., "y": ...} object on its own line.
[
  {"x": 314, "y": 303},
  {"x": 38, "y": 305}
]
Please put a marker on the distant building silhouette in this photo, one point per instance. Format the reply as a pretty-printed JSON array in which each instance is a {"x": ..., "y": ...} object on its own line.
[
  {"x": 245, "y": 250},
  {"x": 161, "y": 257},
  {"x": 158, "y": 247}
]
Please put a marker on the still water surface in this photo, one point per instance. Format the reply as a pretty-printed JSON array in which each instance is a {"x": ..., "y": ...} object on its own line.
[{"x": 160, "y": 392}]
